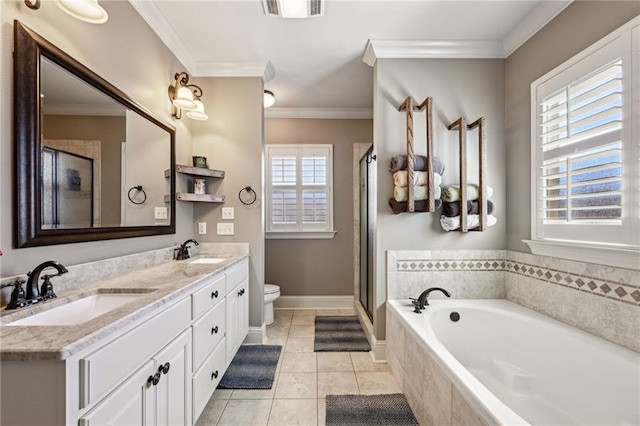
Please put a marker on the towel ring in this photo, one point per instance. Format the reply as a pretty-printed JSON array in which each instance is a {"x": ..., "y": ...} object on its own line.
[
  {"x": 251, "y": 192},
  {"x": 139, "y": 189}
]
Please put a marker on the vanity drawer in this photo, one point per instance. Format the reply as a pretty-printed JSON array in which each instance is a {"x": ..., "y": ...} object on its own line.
[
  {"x": 237, "y": 274},
  {"x": 208, "y": 331},
  {"x": 207, "y": 378},
  {"x": 208, "y": 296},
  {"x": 109, "y": 365}
]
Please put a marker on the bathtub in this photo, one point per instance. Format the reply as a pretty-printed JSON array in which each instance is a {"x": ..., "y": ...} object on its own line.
[{"x": 514, "y": 366}]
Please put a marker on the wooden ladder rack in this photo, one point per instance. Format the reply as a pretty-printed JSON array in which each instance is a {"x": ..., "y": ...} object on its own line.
[{"x": 462, "y": 127}]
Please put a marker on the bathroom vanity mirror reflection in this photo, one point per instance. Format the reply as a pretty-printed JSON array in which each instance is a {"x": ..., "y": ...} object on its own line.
[{"x": 83, "y": 149}]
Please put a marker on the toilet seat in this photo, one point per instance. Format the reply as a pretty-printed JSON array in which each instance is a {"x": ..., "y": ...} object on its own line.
[{"x": 271, "y": 289}]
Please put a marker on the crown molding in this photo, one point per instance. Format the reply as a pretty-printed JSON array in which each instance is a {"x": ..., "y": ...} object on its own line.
[
  {"x": 320, "y": 113},
  {"x": 262, "y": 69},
  {"x": 84, "y": 109}
]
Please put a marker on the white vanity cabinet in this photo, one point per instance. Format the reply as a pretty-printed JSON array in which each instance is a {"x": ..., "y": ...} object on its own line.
[{"x": 237, "y": 306}]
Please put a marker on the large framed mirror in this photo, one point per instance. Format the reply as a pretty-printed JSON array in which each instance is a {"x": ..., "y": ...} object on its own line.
[{"x": 90, "y": 161}]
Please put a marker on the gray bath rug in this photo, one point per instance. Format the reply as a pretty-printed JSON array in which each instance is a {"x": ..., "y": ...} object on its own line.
[
  {"x": 352, "y": 410},
  {"x": 339, "y": 334},
  {"x": 253, "y": 367}
]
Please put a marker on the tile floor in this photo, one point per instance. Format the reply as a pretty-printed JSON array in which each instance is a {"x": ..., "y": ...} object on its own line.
[{"x": 303, "y": 379}]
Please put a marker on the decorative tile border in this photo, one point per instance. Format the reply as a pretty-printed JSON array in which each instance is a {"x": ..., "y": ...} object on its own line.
[{"x": 450, "y": 265}]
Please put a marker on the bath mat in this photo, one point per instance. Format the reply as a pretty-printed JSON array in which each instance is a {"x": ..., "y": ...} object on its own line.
[
  {"x": 339, "y": 334},
  {"x": 253, "y": 367},
  {"x": 352, "y": 410}
]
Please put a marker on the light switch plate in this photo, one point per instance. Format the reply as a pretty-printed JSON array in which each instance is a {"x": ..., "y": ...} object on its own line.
[
  {"x": 227, "y": 212},
  {"x": 225, "y": 228},
  {"x": 161, "y": 213},
  {"x": 202, "y": 228}
]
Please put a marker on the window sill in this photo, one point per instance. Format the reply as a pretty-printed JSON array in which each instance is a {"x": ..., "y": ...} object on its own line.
[
  {"x": 628, "y": 258},
  {"x": 303, "y": 235}
]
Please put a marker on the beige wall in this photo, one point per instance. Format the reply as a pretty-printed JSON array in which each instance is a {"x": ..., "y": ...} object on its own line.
[
  {"x": 128, "y": 54},
  {"x": 232, "y": 140},
  {"x": 577, "y": 27},
  {"x": 319, "y": 267},
  {"x": 110, "y": 131}
]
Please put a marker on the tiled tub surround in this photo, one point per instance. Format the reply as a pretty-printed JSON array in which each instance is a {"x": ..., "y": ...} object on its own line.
[
  {"x": 602, "y": 300},
  {"x": 501, "y": 363},
  {"x": 161, "y": 284}
]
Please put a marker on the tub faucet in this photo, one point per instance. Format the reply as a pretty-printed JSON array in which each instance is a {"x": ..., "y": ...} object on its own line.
[
  {"x": 46, "y": 292},
  {"x": 421, "y": 302},
  {"x": 182, "y": 251}
]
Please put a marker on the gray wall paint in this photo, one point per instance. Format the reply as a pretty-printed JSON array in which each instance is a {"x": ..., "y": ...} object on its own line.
[
  {"x": 472, "y": 88},
  {"x": 232, "y": 140},
  {"x": 128, "y": 54},
  {"x": 319, "y": 267},
  {"x": 576, "y": 28}
]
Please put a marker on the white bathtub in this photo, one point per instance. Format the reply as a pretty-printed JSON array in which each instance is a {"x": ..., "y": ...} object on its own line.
[{"x": 516, "y": 366}]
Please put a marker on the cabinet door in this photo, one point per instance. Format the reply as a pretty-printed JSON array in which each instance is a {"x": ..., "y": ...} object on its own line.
[
  {"x": 173, "y": 391},
  {"x": 243, "y": 316},
  {"x": 233, "y": 329},
  {"x": 132, "y": 403}
]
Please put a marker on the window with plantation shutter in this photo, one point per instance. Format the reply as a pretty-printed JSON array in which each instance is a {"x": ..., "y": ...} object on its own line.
[
  {"x": 300, "y": 194},
  {"x": 585, "y": 149}
]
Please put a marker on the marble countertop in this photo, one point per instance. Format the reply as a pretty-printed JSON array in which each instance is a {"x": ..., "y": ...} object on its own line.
[{"x": 159, "y": 285}]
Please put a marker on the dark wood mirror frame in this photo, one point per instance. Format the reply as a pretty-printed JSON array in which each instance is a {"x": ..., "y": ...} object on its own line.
[{"x": 28, "y": 232}]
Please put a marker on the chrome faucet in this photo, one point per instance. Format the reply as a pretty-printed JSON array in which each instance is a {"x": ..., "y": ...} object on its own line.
[
  {"x": 421, "y": 302},
  {"x": 46, "y": 292},
  {"x": 182, "y": 251}
]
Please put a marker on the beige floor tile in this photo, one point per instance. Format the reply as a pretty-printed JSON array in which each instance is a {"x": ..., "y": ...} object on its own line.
[
  {"x": 334, "y": 361},
  {"x": 278, "y": 331},
  {"x": 279, "y": 340},
  {"x": 212, "y": 412},
  {"x": 304, "y": 312},
  {"x": 328, "y": 312},
  {"x": 362, "y": 361},
  {"x": 282, "y": 313},
  {"x": 222, "y": 394},
  {"x": 299, "y": 344},
  {"x": 289, "y": 412},
  {"x": 303, "y": 320},
  {"x": 246, "y": 412},
  {"x": 296, "y": 385},
  {"x": 337, "y": 384},
  {"x": 255, "y": 393},
  {"x": 376, "y": 382},
  {"x": 294, "y": 362},
  {"x": 322, "y": 412},
  {"x": 302, "y": 331}
]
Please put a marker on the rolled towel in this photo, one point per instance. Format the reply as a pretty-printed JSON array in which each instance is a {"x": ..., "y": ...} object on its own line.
[
  {"x": 401, "y": 193},
  {"x": 399, "y": 162},
  {"x": 401, "y": 178},
  {"x": 473, "y": 221},
  {"x": 452, "y": 193},
  {"x": 420, "y": 206},
  {"x": 473, "y": 207}
]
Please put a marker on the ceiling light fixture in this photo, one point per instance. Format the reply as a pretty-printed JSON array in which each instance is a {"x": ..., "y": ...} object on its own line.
[
  {"x": 85, "y": 10},
  {"x": 294, "y": 8},
  {"x": 185, "y": 96},
  {"x": 269, "y": 99}
]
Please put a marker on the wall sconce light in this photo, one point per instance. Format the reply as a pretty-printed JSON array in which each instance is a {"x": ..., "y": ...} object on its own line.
[
  {"x": 269, "y": 99},
  {"x": 185, "y": 96},
  {"x": 85, "y": 10}
]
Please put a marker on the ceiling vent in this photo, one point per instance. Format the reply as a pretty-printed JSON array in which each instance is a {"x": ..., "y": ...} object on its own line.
[{"x": 294, "y": 8}]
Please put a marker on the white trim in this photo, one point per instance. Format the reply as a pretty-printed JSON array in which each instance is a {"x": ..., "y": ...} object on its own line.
[
  {"x": 534, "y": 22},
  {"x": 299, "y": 235},
  {"x": 378, "y": 350},
  {"x": 262, "y": 69},
  {"x": 314, "y": 302},
  {"x": 256, "y": 335},
  {"x": 598, "y": 254},
  {"x": 83, "y": 109},
  {"x": 320, "y": 113}
]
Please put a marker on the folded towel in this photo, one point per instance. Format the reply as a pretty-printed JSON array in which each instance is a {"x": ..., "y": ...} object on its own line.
[
  {"x": 420, "y": 206},
  {"x": 473, "y": 207},
  {"x": 473, "y": 221},
  {"x": 401, "y": 193},
  {"x": 399, "y": 162},
  {"x": 401, "y": 178},
  {"x": 452, "y": 193}
]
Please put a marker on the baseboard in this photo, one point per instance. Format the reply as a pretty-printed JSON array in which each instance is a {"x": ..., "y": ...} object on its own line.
[
  {"x": 314, "y": 302},
  {"x": 378, "y": 350},
  {"x": 256, "y": 335}
]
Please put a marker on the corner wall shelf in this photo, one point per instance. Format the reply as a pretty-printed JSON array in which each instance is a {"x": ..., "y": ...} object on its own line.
[
  {"x": 205, "y": 198},
  {"x": 195, "y": 171}
]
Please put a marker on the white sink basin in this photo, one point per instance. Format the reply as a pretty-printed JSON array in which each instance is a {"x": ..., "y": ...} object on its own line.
[
  {"x": 80, "y": 310},
  {"x": 208, "y": 260}
]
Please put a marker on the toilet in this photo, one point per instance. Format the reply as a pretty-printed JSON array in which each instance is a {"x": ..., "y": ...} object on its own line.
[{"x": 271, "y": 293}]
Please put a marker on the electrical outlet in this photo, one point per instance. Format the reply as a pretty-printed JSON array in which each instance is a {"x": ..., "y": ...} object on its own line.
[
  {"x": 202, "y": 228},
  {"x": 227, "y": 212},
  {"x": 161, "y": 213},
  {"x": 225, "y": 228}
]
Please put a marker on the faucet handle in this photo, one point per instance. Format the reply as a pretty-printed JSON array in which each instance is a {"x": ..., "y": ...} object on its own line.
[
  {"x": 416, "y": 304},
  {"x": 18, "y": 296},
  {"x": 46, "y": 291}
]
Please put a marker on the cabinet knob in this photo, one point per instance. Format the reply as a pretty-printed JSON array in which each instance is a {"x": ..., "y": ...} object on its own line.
[
  {"x": 242, "y": 292},
  {"x": 165, "y": 368},
  {"x": 214, "y": 375},
  {"x": 214, "y": 294},
  {"x": 214, "y": 330},
  {"x": 154, "y": 380}
]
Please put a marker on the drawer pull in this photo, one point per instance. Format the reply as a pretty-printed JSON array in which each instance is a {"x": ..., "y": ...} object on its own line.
[
  {"x": 214, "y": 294},
  {"x": 165, "y": 368},
  {"x": 214, "y": 375},
  {"x": 214, "y": 330},
  {"x": 154, "y": 380},
  {"x": 242, "y": 292}
]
